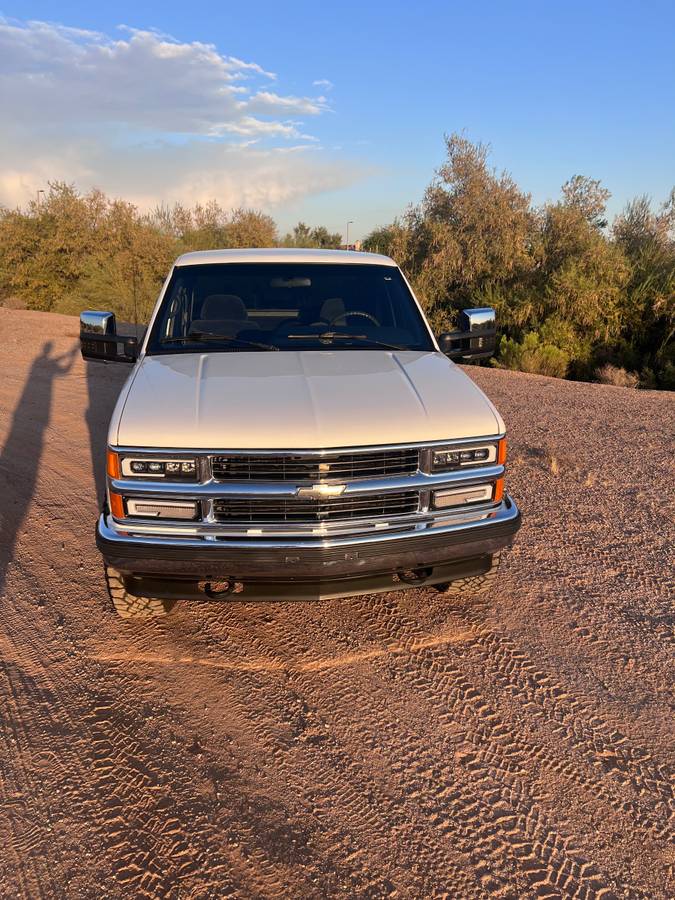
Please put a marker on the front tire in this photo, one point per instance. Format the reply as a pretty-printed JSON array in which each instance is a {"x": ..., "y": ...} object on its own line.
[
  {"x": 127, "y": 606},
  {"x": 473, "y": 586}
]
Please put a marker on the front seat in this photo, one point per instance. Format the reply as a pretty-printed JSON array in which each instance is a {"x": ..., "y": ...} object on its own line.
[
  {"x": 333, "y": 311},
  {"x": 224, "y": 314}
]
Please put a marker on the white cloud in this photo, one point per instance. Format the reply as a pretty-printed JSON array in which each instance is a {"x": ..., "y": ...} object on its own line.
[
  {"x": 323, "y": 83},
  {"x": 241, "y": 174},
  {"x": 149, "y": 117},
  {"x": 272, "y": 104}
]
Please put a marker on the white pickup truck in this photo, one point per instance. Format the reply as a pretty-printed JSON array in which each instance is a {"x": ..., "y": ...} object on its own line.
[{"x": 292, "y": 429}]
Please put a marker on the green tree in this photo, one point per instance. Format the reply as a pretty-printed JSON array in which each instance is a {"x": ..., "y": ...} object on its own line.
[
  {"x": 127, "y": 277},
  {"x": 76, "y": 251},
  {"x": 571, "y": 297},
  {"x": 318, "y": 237},
  {"x": 250, "y": 228},
  {"x": 383, "y": 239},
  {"x": 470, "y": 236},
  {"x": 581, "y": 274},
  {"x": 209, "y": 226},
  {"x": 43, "y": 252},
  {"x": 648, "y": 302},
  {"x": 325, "y": 239},
  {"x": 589, "y": 197}
]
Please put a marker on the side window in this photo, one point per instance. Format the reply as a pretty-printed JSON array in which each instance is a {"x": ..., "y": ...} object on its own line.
[
  {"x": 179, "y": 312},
  {"x": 390, "y": 294}
]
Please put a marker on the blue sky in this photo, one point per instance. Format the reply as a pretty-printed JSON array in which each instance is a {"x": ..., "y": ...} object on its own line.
[{"x": 555, "y": 89}]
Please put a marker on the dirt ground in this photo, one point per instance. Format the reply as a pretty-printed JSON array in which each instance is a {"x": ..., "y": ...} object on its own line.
[{"x": 398, "y": 745}]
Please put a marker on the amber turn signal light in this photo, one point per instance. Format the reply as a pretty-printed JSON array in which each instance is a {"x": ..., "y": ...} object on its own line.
[
  {"x": 499, "y": 490},
  {"x": 501, "y": 452},
  {"x": 116, "y": 505},
  {"x": 113, "y": 464}
]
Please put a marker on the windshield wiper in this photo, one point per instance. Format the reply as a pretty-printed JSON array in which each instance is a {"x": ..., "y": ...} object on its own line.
[
  {"x": 205, "y": 336},
  {"x": 331, "y": 335}
]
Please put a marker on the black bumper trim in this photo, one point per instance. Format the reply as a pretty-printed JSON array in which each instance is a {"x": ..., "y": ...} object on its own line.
[
  {"x": 316, "y": 563},
  {"x": 317, "y": 589}
]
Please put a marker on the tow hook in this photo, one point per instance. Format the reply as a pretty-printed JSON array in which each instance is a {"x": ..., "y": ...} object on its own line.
[
  {"x": 220, "y": 589},
  {"x": 414, "y": 576}
]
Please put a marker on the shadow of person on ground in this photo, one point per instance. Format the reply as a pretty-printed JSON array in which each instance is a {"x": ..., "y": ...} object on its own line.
[
  {"x": 22, "y": 451},
  {"x": 104, "y": 383}
]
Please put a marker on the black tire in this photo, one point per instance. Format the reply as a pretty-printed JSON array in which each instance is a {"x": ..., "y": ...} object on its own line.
[
  {"x": 127, "y": 605},
  {"x": 473, "y": 586}
]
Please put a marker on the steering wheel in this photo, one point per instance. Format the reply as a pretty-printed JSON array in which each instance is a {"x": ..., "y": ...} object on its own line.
[{"x": 354, "y": 312}]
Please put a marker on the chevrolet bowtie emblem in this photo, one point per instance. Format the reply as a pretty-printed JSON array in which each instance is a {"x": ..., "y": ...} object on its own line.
[{"x": 321, "y": 491}]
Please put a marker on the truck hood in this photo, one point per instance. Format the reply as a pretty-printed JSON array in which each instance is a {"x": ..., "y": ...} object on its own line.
[{"x": 299, "y": 400}]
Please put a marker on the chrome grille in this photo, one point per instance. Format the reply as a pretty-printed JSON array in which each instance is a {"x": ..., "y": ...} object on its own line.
[
  {"x": 266, "y": 510},
  {"x": 340, "y": 466}
]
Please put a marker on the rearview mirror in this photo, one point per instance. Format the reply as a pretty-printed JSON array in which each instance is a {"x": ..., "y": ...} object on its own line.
[
  {"x": 475, "y": 338},
  {"x": 99, "y": 338}
]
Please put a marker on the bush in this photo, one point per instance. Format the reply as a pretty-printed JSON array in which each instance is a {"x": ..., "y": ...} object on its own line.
[
  {"x": 615, "y": 375},
  {"x": 570, "y": 294},
  {"x": 533, "y": 355},
  {"x": 666, "y": 377}
]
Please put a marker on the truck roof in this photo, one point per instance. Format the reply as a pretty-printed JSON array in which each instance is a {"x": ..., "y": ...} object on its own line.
[{"x": 282, "y": 254}]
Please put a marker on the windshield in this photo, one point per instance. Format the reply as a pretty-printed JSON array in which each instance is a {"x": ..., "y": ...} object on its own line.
[{"x": 287, "y": 306}]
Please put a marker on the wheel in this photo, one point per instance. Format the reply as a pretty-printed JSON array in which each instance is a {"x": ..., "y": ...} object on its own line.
[
  {"x": 127, "y": 605},
  {"x": 474, "y": 585}
]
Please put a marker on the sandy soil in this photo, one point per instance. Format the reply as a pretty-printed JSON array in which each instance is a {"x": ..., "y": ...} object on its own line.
[{"x": 397, "y": 745}]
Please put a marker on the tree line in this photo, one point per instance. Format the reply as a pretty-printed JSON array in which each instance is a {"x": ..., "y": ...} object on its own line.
[
  {"x": 72, "y": 251},
  {"x": 575, "y": 296}
]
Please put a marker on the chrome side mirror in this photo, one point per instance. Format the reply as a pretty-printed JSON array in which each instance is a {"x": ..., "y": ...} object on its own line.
[
  {"x": 475, "y": 338},
  {"x": 94, "y": 322},
  {"x": 99, "y": 338}
]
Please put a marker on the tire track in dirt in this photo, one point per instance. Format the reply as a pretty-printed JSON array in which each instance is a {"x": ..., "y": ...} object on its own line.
[
  {"x": 351, "y": 801},
  {"x": 579, "y": 725},
  {"x": 437, "y": 814},
  {"x": 22, "y": 794},
  {"x": 334, "y": 804},
  {"x": 272, "y": 738},
  {"x": 501, "y": 762},
  {"x": 404, "y": 745},
  {"x": 545, "y": 854},
  {"x": 509, "y": 735},
  {"x": 144, "y": 842}
]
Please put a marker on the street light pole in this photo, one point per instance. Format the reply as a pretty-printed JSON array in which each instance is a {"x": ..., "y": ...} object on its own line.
[{"x": 351, "y": 222}]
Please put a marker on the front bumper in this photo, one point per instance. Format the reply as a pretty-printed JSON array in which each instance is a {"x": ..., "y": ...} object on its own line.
[{"x": 323, "y": 567}]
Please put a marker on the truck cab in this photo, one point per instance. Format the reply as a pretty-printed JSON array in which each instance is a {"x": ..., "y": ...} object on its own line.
[{"x": 291, "y": 429}]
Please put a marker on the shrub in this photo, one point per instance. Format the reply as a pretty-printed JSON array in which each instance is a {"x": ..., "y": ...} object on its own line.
[
  {"x": 533, "y": 355},
  {"x": 667, "y": 381},
  {"x": 615, "y": 375}
]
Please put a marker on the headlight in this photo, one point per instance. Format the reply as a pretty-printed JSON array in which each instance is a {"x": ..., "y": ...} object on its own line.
[
  {"x": 478, "y": 493},
  {"x": 162, "y": 509},
  {"x": 165, "y": 468},
  {"x": 149, "y": 508},
  {"x": 445, "y": 459}
]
